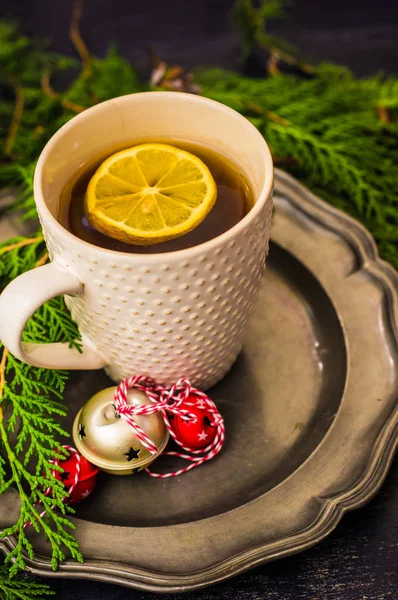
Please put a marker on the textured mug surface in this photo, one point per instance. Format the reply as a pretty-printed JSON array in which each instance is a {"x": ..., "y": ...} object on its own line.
[{"x": 165, "y": 315}]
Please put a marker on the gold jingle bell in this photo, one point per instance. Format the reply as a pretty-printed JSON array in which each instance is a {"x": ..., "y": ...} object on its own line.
[{"x": 109, "y": 442}]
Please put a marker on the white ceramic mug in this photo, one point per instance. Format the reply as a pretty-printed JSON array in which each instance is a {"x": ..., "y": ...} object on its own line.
[{"x": 166, "y": 315}]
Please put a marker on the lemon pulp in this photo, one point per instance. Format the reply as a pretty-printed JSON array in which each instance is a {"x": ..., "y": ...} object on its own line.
[{"x": 149, "y": 193}]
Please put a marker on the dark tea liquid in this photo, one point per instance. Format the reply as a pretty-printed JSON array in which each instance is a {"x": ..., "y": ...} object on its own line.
[{"x": 234, "y": 200}]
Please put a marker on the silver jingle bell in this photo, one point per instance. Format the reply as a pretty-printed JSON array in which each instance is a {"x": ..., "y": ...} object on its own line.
[{"x": 109, "y": 442}]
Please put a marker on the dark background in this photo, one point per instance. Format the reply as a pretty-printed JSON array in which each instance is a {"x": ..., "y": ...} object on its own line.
[
  {"x": 359, "y": 561},
  {"x": 359, "y": 33}
]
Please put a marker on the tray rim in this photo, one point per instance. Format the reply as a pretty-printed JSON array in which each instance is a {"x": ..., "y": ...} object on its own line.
[{"x": 334, "y": 507}]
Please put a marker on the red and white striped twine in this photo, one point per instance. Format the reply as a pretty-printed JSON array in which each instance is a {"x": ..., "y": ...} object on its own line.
[
  {"x": 70, "y": 489},
  {"x": 169, "y": 401}
]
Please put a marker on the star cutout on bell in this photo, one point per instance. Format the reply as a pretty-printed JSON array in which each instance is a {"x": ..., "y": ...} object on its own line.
[
  {"x": 202, "y": 436},
  {"x": 86, "y": 494},
  {"x": 64, "y": 476},
  {"x": 132, "y": 454},
  {"x": 108, "y": 441}
]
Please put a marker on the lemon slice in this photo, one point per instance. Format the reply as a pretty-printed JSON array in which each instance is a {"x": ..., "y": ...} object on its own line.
[{"x": 149, "y": 194}]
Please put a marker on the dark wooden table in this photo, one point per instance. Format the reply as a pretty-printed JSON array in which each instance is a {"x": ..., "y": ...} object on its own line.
[{"x": 359, "y": 561}]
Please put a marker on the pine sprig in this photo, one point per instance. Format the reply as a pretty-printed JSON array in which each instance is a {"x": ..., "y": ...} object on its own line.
[
  {"x": 252, "y": 23},
  {"x": 252, "y": 19},
  {"x": 52, "y": 322},
  {"x": 30, "y": 399},
  {"x": 18, "y": 255},
  {"x": 30, "y": 408},
  {"x": 21, "y": 588},
  {"x": 20, "y": 176},
  {"x": 327, "y": 131}
]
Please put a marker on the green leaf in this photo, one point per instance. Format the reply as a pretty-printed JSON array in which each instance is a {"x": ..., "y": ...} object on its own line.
[
  {"x": 22, "y": 587},
  {"x": 327, "y": 132}
]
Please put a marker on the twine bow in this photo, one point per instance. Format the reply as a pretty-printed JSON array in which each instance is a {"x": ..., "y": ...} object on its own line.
[{"x": 170, "y": 401}]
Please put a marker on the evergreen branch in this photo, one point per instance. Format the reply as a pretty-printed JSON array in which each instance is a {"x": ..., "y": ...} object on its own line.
[
  {"x": 21, "y": 244},
  {"x": 252, "y": 24},
  {"x": 328, "y": 132},
  {"x": 51, "y": 93},
  {"x": 2, "y": 376},
  {"x": 252, "y": 21},
  {"x": 21, "y": 588},
  {"x": 325, "y": 165},
  {"x": 21, "y": 175},
  {"x": 19, "y": 104},
  {"x": 29, "y": 434},
  {"x": 19, "y": 255},
  {"x": 77, "y": 39},
  {"x": 383, "y": 113},
  {"x": 42, "y": 261},
  {"x": 23, "y": 389}
]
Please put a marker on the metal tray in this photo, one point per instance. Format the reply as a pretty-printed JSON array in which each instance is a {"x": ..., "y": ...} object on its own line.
[{"x": 311, "y": 414}]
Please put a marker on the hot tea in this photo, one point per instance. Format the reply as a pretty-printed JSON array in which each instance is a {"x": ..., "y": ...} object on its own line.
[{"x": 234, "y": 200}]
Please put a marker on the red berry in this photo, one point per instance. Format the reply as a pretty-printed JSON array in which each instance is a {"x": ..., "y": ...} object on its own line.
[
  {"x": 87, "y": 477},
  {"x": 197, "y": 433}
]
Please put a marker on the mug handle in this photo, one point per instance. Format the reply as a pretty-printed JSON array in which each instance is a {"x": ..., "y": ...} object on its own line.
[{"x": 22, "y": 297}]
